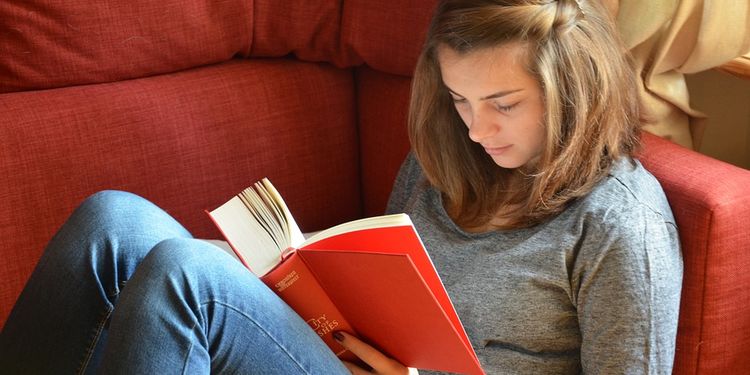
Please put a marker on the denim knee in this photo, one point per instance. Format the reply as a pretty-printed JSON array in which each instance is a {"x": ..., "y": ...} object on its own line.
[
  {"x": 112, "y": 212},
  {"x": 110, "y": 203},
  {"x": 192, "y": 257},
  {"x": 108, "y": 235}
]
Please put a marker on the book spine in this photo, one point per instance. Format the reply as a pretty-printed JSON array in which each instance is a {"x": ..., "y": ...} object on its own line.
[{"x": 293, "y": 282}]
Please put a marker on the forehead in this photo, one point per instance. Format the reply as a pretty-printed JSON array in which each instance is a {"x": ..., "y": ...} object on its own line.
[{"x": 502, "y": 66}]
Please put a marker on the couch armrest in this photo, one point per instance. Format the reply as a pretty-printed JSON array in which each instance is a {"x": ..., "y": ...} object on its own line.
[{"x": 711, "y": 205}]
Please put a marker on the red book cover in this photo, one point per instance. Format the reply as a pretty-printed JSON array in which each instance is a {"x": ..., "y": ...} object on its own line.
[
  {"x": 296, "y": 285},
  {"x": 384, "y": 282}
]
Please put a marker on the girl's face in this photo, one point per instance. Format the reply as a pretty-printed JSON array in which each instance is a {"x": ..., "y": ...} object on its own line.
[{"x": 499, "y": 101}]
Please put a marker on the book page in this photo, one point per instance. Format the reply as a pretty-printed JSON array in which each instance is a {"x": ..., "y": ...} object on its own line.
[
  {"x": 296, "y": 238},
  {"x": 258, "y": 226},
  {"x": 266, "y": 213},
  {"x": 252, "y": 243},
  {"x": 384, "y": 221}
]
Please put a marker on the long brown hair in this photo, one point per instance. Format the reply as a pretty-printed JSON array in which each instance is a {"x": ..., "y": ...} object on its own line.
[{"x": 592, "y": 115}]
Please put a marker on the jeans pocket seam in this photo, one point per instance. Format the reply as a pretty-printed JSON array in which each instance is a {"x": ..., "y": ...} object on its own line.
[{"x": 94, "y": 339}]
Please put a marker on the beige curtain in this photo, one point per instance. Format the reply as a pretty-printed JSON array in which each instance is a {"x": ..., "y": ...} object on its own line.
[{"x": 670, "y": 38}]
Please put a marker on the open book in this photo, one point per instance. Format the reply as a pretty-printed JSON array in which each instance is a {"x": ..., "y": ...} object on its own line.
[{"x": 370, "y": 277}]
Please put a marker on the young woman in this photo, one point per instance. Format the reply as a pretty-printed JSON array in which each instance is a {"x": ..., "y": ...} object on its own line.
[{"x": 558, "y": 249}]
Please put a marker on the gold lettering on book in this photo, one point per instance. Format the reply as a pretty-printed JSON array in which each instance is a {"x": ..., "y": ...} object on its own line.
[
  {"x": 323, "y": 325},
  {"x": 287, "y": 281}
]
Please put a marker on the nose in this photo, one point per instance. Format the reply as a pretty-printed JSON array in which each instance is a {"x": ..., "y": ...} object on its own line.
[{"x": 482, "y": 126}]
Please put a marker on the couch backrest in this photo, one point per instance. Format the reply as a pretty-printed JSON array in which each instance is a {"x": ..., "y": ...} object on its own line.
[
  {"x": 187, "y": 102},
  {"x": 58, "y": 44}
]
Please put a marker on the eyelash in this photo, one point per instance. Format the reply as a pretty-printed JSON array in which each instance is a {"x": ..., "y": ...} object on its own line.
[
  {"x": 505, "y": 108},
  {"x": 500, "y": 108}
]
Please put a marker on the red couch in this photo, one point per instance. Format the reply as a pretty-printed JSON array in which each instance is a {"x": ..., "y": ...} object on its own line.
[{"x": 187, "y": 102}]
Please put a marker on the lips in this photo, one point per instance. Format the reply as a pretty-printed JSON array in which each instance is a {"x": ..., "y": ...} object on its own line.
[{"x": 493, "y": 151}]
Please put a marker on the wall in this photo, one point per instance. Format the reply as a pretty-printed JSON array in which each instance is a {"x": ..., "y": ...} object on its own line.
[{"x": 725, "y": 99}]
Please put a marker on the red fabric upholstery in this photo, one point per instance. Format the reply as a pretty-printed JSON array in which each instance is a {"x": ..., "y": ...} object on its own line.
[
  {"x": 382, "y": 99},
  {"x": 344, "y": 33},
  {"x": 388, "y": 37},
  {"x": 311, "y": 30},
  {"x": 711, "y": 204},
  {"x": 188, "y": 141},
  {"x": 53, "y": 44},
  {"x": 145, "y": 96},
  {"x": 79, "y": 42}
]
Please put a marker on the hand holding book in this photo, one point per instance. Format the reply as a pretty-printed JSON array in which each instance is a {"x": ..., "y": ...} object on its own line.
[
  {"x": 380, "y": 363},
  {"x": 371, "y": 277}
]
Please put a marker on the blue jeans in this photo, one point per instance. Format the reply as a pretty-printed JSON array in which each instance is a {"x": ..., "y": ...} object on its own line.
[{"x": 124, "y": 288}]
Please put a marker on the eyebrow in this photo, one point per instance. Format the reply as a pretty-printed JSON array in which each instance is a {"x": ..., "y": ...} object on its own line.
[{"x": 491, "y": 96}]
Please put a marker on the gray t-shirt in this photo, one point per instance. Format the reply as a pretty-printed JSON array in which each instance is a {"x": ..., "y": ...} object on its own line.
[{"x": 596, "y": 289}]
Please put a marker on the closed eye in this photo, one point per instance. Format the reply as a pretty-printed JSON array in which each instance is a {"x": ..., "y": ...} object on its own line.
[{"x": 505, "y": 108}]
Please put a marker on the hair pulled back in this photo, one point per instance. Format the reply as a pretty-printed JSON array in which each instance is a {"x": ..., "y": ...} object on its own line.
[{"x": 592, "y": 112}]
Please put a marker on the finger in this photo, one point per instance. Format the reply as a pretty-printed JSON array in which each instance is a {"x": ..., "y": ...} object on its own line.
[
  {"x": 373, "y": 357},
  {"x": 354, "y": 369},
  {"x": 361, "y": 349}
]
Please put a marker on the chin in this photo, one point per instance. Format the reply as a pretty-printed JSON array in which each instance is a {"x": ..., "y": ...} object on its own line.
[{"x": 509, "y": 164}]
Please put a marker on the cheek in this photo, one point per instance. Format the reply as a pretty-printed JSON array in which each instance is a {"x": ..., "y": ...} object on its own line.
[
  {"x": 531, "y": 131},
  {"x": 464, "y": 112},
  {"x": 537, "y": 134},
  {"x": 535, "y": 128}
]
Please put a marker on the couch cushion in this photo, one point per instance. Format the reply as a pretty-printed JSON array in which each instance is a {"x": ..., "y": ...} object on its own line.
[
  {"x": 346, "y": 33},
  {"x": 383, "y": 101},
  {"x": 49, "y": 44},
  {"x": 311, "y": 30},
  {"x": 187, "y": 141},
  {"x": 388, "y": 38},
  {"x": 57, "y": 44}
]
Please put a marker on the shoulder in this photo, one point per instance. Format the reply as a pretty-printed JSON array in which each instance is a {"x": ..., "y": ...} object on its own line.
[
  {"x": 408, "y": 179},
  {"x": 625, "y": 218},
  {"x": 626, "y": 225},
  {"x": 410, "y": 168},
  {"x": 626, "y": 200}
]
